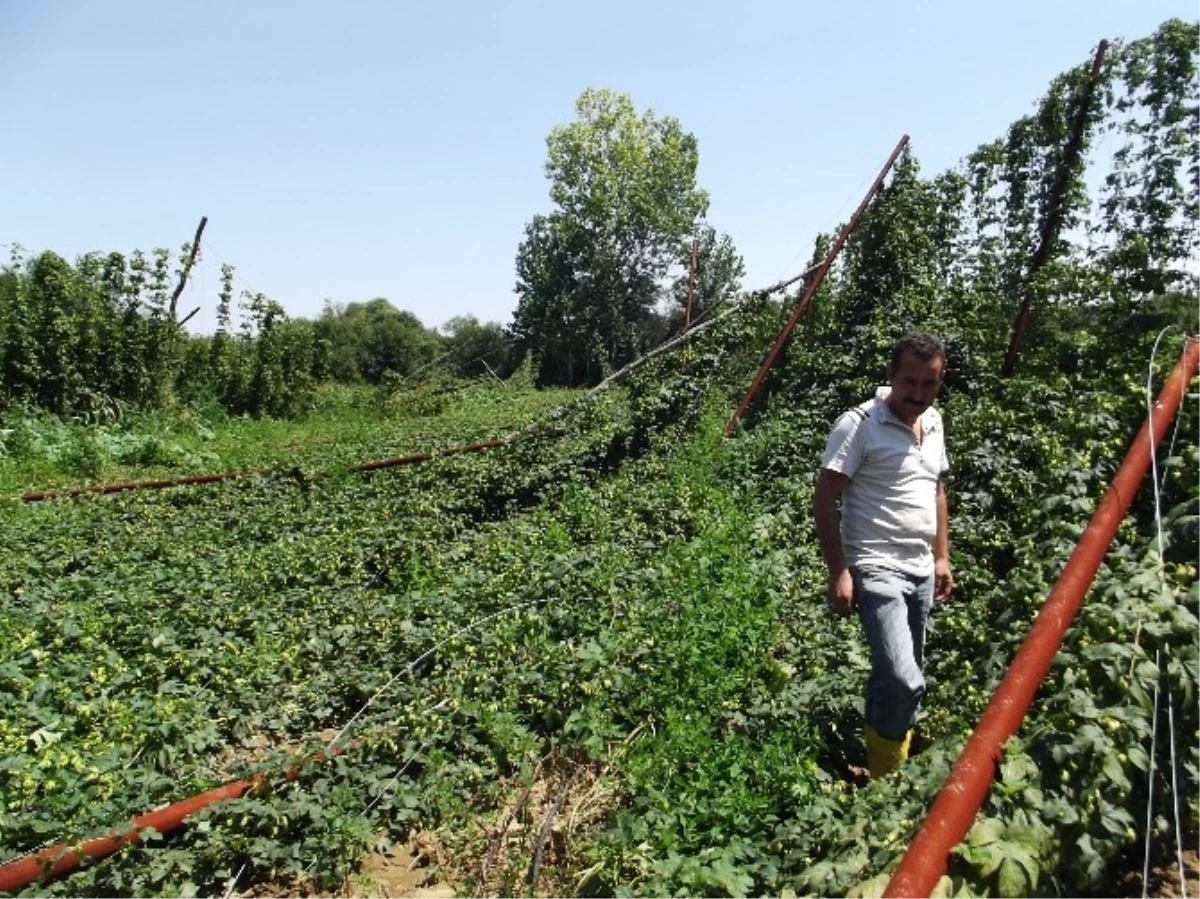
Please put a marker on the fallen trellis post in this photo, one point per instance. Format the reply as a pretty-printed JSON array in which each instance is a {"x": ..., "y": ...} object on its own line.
[{"x": 187, "y": 268}]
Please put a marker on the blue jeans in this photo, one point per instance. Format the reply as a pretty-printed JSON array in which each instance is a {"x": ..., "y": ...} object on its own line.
[{"x": 894, "y": 610}]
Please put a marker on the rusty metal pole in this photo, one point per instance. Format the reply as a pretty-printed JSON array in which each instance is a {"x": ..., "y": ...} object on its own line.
[
  {"x": 687, "y": 325},
  {"x": 56, "y": 861},
  {"x": 121, "y": 486},
  {"x": 417, "y": 458},
  {"x": 962, "y": 795},
  {"x": 811, "y": 289},
  {"x": 1054, "y": 212}
]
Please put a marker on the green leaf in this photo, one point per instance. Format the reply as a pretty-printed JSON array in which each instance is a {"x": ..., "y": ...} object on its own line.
[
  {"x": 1013, "y": 879},
  {"x": 986, "y": 831},
  {"x": 872, "y": 888}
]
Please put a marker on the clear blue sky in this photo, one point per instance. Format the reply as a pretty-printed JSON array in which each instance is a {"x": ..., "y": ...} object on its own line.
[{"x": 361, "y": 149}]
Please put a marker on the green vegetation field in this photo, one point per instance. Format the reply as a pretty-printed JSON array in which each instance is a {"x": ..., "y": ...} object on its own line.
[
  {"x": 347, "y": 424},
  {"x": 618, "y": 619},
  {"x": 596, "y": 660}
]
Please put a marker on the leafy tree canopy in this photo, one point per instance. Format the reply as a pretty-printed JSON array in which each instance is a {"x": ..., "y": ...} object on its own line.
[
  {"x": 364, "y": 340},
  {"x": 588, "y": 273}
]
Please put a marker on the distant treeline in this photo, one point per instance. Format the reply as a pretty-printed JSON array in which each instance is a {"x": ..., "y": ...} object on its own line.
[
  {"x": 99, "y": 332},
  {"x": 601, "y": 279},
  {"x": 77, "y": 337}
]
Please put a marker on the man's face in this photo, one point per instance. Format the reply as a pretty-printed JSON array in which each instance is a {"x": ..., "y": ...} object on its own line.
[{"x": 914, "y": 385}]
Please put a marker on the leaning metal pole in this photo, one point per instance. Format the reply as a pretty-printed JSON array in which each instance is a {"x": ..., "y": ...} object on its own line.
[{"x": 811, "y": 289}]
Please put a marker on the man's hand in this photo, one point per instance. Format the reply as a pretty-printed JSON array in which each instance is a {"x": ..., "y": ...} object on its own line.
[
  {"x": 841, "y": 593},
  {"x": 943, "y": 580}
]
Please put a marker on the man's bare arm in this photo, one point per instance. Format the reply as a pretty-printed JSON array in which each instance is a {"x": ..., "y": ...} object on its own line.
[
  {"x": 841, "y": 588},
  {"x": 943, "y": 576},
  {"x": 829, "y": 485}
]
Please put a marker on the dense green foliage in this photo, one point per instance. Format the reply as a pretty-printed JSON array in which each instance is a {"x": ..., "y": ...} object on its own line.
[
  {"x": 953, "y": 252},
  {"x": 661, "y": 628},
  {"x": 619, "y": 618},
  {"x": 96, "y": 339},
  {"x": 477, "y": 349},
  {"x": 366, "y": 340},
  {"x": 74, "y": 336}
]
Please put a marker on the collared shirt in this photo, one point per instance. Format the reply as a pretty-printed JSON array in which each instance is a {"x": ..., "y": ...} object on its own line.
[{"x": 889, "y": 506}]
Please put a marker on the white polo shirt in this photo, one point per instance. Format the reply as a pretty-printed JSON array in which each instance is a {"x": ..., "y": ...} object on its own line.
[{"x": 889, "y": 507}]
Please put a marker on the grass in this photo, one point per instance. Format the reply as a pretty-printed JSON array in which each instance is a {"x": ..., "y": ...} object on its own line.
[{"x": 347, "y": 424}]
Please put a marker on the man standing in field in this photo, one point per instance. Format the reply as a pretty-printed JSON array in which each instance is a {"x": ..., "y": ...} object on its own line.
[{"x": 890, "y": 558}]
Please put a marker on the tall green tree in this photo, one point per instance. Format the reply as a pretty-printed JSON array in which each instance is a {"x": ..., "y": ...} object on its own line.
[
  {"x": 553, "y": 323},
  {"x": 589, "y": 273}
]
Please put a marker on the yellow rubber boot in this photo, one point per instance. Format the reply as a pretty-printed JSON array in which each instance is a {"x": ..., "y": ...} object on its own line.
[{"x": 883, "y": 754}]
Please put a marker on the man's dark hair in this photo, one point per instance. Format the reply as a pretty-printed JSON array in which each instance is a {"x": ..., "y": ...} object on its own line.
[{"x": 923, "y": 346}]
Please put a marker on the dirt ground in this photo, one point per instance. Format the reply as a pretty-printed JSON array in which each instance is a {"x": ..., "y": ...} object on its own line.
[
  {"x": 1165, "y": 881},
  {"x": 523, "y": 846},
  {"x": 401, "y": 873}
]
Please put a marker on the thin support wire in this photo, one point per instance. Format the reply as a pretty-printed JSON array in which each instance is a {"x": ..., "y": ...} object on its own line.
[
  {"x": 1171, "y": 449},
  {"x": 1175, "y": 794},
  {"x": 383, "y": 717},
  {"x": 229, "y": 887},
  {"x": 1158, "y": 489},
  {"x": 1154, "y": 455},
  {"x": 833, "y": 221},
  {"x": 391, "y": 783},
  {"x": 425, "y": 655},
  {"x": 1162, "y": 565},
  {"x": 1150, "y": 785},
  {"x": 1162, "y": 570}
]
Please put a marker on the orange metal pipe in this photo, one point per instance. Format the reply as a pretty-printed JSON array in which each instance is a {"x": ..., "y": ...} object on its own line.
[
  {"x": 811, "y": 289},
  {"x": 425, "y": 457},
  {"x": 961, "y": 796},
  {"x": 56, "y": 861}
]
